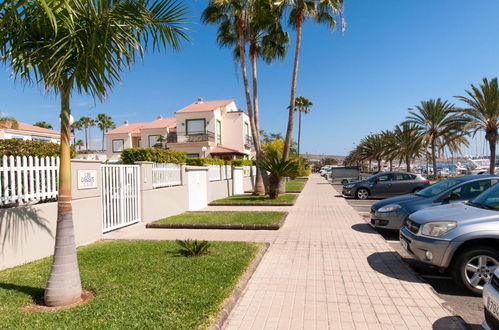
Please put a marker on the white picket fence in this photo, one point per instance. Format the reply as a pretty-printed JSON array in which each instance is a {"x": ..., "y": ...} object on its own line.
[
  {"x": 214, "y": 173},
  {"x": 166, "y": 175},
  {"x": 25, "y": 179}
]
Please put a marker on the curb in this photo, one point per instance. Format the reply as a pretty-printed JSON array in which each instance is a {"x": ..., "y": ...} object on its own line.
[
  {"x": 251, "y": 204},
  {"x": 218, "y": 226},
  {"x": 231, "y": 302}
]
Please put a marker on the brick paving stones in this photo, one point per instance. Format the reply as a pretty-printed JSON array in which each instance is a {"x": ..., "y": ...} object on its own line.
[{"x": 325, "y": 269}]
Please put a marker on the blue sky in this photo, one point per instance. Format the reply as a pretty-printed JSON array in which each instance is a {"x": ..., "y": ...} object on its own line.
[{"x": 393, "y": 54}]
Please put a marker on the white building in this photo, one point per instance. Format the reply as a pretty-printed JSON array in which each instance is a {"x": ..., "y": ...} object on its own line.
[{"x": 29, "y": 132}]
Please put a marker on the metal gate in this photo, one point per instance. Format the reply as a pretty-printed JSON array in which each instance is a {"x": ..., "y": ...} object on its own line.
[{"x": 120, "y": 196}]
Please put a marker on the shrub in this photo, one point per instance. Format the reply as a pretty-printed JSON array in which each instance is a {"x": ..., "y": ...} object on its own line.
[
  {"x": 199, "y": 161},
  {"x": 243, "y": 162},
  {"x": 156, "y": 155},
  {"x": 17, "y": 147},
  {"x": 193, "y": 248}
]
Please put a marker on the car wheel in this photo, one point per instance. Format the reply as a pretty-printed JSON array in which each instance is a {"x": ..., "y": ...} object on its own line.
[
  {"x": 474, "y": 268},
  {"x": 344, "y": 182},
  {"x": 362, "y": 193},
  {"x": 416, "y": 190}
]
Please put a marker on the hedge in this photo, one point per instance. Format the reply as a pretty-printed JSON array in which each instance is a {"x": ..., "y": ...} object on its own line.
[
  {"x": 243, "y": 162},
  {"x": 156, "y": 155},
  {"x": 18, "y": 147},
  {"x": 199, "y": 161}
]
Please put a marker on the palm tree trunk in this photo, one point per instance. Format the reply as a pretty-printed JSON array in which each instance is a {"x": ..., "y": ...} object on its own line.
[
  {"x": 407, "y": 164},
  {"x": 102, "y": 140},
  {"x": 86, "y": 139},
  {"x": 492, "y": 138},
  {"x": 434, "y": 158},
  {"x": 261, "y": 175},
  {"x": 291, "y": 113},
  {"x": 64, "y": 285},
  {"x": 379, "y": 165},
  {"x": 274, "y": 182},
  {"x": 299, "y": 133},
  {"x": 391, "y": 165}
]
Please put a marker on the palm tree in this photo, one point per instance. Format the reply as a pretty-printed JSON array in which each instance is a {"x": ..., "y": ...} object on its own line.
[
  {"x": 81, "y": 47},
  {"x": 105, "y": 123},
  {"x": 322, "y": 12},
  {"x": 43, "y": 124},
  {"x": 278, "y": 168},
  {"x": 75, "y": 126},
  {"x": 408, "y": 142},
  {"x": 302, "y": 104},
  {"x": 86, "y": 123},
  {"x": 483, "y": 113},
  {"x": 79, "y": 144},
  {"x": 9, "y": 122},
  {"x": 390, "y": 151},
  {"x": 437, "y": 122},
  {"x": 372, "y": 148}
]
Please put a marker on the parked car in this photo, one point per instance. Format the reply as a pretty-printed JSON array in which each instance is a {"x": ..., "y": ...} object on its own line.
[
  {"x": 391, "y": 213},
  {"x": 461, "y": 237},
  {"x": 343, "y": 174},
  {"x": 385, "y": 184},
  {"x": 491, "y": 302}
]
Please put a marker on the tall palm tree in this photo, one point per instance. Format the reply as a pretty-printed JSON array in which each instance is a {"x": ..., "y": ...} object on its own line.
[
  {"x": 372, "y": 148},
  {"x": 75, "y": 126},
  {"x": 322, "y": 12},
  {"x": 257, "y": 23},
  {"x": 79, "y": 144},
  {"x": 43, "y": 124},
  {"x": 105, "y": 123},
  {"x": 82, "y": 47},
  {"x": 86, "y": 123},
  {"x": 408, "y": 142},
  {"x": 302, "y": 104},
  {"x": 483, "y": 113},
  {"x": 390, "y": 151},
  {"x": 437, "y": 122},
  {"x": 9, "y": 122}
]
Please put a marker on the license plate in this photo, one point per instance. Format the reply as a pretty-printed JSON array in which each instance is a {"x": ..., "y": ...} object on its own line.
[{"x": 493, "y": 307}]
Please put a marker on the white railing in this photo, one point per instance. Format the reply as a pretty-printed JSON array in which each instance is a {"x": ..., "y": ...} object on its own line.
[
  {"x": 214, "y": 172},
  {"x": 226, "y": 172},
  {"x": 166, "y": 175},
  {"x": 25, "y": 179},
  {"x": 246, "y": 170}
]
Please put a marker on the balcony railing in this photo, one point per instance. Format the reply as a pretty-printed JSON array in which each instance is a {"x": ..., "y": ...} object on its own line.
[
  {"x": 203, "y": 136},
  {"x": 248, "y": 142}
]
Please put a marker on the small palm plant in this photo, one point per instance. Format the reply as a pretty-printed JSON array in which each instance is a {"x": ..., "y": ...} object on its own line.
[
  {"x": 278, "y": 169},
  {"x": 193, "y": 248}
]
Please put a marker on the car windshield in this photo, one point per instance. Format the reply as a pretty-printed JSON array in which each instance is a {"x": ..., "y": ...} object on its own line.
[
  {"x": 489, "y": 199},
  {"x": 437, "y": 188}
]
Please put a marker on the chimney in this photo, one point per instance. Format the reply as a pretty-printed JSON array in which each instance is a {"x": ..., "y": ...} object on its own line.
[
  {"x": 200, "y": 100},
  {"x": 125, "y": 123},
  {"x": 159, "y": 117}
]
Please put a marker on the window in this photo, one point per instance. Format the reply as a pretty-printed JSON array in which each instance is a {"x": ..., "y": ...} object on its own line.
[
  {"x": 246, "y": 157},
  {"x": 40, "y": 138},
  {"x": 384, "y": 177},
  {"x": 118, "y": 145},
  {"x": 403, "y": 177},
  {"x": 195, "y": 126},
  {"x": 192, "y": 155},
  {"x": 219, "y": 132},
  {"x": 470, "y": 190},
  {"x": 153, "y": 140}
]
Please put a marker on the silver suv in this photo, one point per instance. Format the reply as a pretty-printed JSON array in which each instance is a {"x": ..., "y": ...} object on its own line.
[{"x": 462, "y": 237}]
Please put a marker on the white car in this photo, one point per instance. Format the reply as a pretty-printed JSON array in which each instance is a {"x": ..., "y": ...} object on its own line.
[{"x": 491, "y": 302}]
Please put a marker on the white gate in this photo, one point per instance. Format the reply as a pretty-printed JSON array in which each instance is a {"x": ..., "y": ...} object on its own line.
[{"x": 120, "y": 196}]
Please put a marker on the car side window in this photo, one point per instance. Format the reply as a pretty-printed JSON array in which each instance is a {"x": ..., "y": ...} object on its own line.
[
  {"x": 471, "y": 190},
  {"x": 384, "y": 177}
]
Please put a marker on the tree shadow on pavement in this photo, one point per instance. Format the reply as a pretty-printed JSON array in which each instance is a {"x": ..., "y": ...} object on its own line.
[
  {"x": 391, "y": 264},
  {"x": 453, "y": 322}
]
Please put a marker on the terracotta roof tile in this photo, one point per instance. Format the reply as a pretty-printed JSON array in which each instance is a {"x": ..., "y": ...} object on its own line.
[
  {"x": 167, "y": 122},
  {"x": 205, "y": 106},
  {"x": 34, "y": 129},
  {"x": 224, "y": 150}
]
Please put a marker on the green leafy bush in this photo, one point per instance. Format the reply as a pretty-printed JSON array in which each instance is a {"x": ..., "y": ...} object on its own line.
[
  {"x": 132, "y": 155},
  {"x": 17, "y": 147},
  {"x": 243, "y": 162},
  {"x": 199, "y": 161},
  {"x": 193, "y": 248}
]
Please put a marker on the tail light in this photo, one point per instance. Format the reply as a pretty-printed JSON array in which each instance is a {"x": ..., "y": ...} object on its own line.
[{"x": 426, "y": 181}]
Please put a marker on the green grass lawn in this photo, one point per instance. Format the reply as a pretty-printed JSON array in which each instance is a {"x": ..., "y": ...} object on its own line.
[
  {"x": 295, "y": 185},
  {"x": 226, "y": 218},
  {"x": 137, "y": 284},
  {"x": 248, "y": 199}
]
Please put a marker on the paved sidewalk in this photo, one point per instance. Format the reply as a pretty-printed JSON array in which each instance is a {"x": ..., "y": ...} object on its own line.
[{"x": 325, "y": 269}]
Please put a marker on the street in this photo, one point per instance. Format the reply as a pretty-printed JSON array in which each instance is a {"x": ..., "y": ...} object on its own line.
[{"x": 467, "y": 306}]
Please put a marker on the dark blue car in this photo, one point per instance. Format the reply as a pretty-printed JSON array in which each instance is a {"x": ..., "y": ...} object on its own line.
[{"x": 391, "y": 213}]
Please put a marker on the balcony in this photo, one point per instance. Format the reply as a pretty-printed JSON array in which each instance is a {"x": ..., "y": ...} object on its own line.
[
  {"x": 192, "y": 137},
  {"x": 248, "y": 142}
]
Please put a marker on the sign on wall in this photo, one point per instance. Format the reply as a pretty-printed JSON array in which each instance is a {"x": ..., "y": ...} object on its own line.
[{"x": 87, "y": 179}]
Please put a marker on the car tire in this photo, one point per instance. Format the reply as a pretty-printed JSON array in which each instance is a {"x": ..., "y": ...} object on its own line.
[
  {"x": 362, "y": 193},
  {"x": 467, "y": 270},
  {"x": 344, "y": 182},
  {"x": 416, "y": 190}
]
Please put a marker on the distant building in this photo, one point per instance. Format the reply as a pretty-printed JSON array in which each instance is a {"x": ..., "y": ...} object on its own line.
[
  {"x": 29, "y": 132},
  {"x": 215, "y": 129},
  {"x": 316, "y": 158}
]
